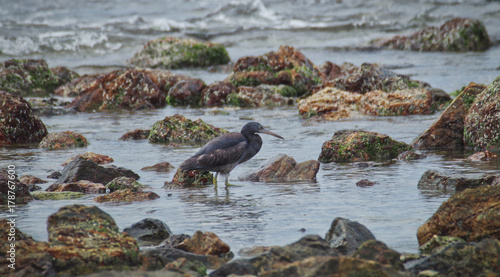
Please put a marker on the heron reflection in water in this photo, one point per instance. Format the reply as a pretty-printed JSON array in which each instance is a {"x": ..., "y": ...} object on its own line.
[{"x": 224, "y": 153}]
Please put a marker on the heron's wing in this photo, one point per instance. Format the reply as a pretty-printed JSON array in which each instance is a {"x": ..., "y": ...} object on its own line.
[{"x": 223, "y": 150}]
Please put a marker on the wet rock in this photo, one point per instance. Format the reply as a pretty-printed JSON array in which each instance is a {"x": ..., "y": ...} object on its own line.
[
  {"x": 127, "y": 195},
  {"x": 409, "y": 156},
  {"x": 159, "y": 258},
  {"x": 97, "y": 158},
  {"x": 149, "y": 231},
  {"x": 472, "y": 215},
  {"x": 86, "y": 239},
  {"x": 137, "y": 134},
  {"x": 438, "y": 242},
  {"x": 28, "y": 257},
  {"x": 54, "y": 175},
  {"x": 187, "y": 267},
  {"x": 448, "y": 130},
  {"x": 191, "y": 178},
  {"x": 63, "y": 140},
  {"x": 352, "y": 146},
  {"x": 365, "y": 183},
  {"x": 346, "y": 235},
  {"x": 204, "y": 244},
  {"x": 159, "y": 167},
  {"x": 76, "y": 85},
  {"x": 122, "y": 183},
  {"x": 462, "y": 259},
  {"x": 31, "y": 180},
  {"x": 83, "y": 169},
  {"x": 64, "y": 75},
  {"x": 121, "y": 89},
  {"x": 173, "y": 240},
  {"x": 83, "y": 186},
  {"x": 258, "y": 96},
  {"x": 284, "y": 168},
  {"x": 482, "y": 156},
  {"x": 9, "y": 183},
  {"x": 186, "y": 93},
  {"x": 216, "y": 93},
  {"x": 27, "y": 77},
  {"x": 434, "y": 180},
  {"x": 49, "y": 106},
  {"x": 172, "y": 53},
  {"x": 456, "y": 35},
  {"x": 177, "y": 128},
  {"x": 369, "y": 89},
  {"x": 287, "y": 66},
  {"x": 378, "y": 251},
  {"x": 482, "y": 127},
  {"x": 48, "y": 195},
  {"x": 18, "y": 124}
]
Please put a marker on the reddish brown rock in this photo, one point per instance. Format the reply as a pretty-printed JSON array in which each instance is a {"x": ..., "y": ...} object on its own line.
[
  {"x": 482, "y": 156},
  {"x": 204, "y": 244},
  {"x": 31, "y": 180},
  {"x": 186, "y": 93},
  {"x": 76, "y": 85},
  {"x": 126, "y": 88},
  {"x": 18, "y": 124},
  {"x": 137, "y": 134},
  {"x": 458, "y": 34},
  {"x": 97, "y": 158},
  {"x": 63, "y": 75},
  {"x": 472, "y": 214},
  {"x": 216, "y": 93},
  {"x": 285, "y": 168},
  {"x": 127, "y": 195},
  {"x": 365, "y": 183},
  {"x": 259, "y": 96},
  {"x": 159, "y": 167},
  {"x": 63, "y": 140},
  {"x": 448, "y": 130},
  {"x": 84, "y": 186},
  {"x": 9, "y": 186}
]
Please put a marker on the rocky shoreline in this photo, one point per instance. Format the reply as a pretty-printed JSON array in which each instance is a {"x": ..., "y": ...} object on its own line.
[{"x": 460, "y": 239}]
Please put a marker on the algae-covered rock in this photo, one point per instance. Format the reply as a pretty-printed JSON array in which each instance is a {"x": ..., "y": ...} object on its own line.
[
  {"x": 351, "y": 146},
  {"x": 27, "y": 77},
  {"x": 172, "y": 53},
  {"x": 63, "y": 140},
  {"x": 97, "y": 158},
  {"x": 288, "y": 66},
  {"x": 456, "y": 35},
  {"x": 177, "y": 128},
  {"x": 258, "y": 96},
  {"x": 64, "y": 195},
  {"x": 121, "y": 183},
  {"x": 472, "y": 214},
  {"x": 482, "y": 124},
  {"x": 127, "y": 195},
  {"x": 18, "y": 124},
  {"x": 86, "y": 239},
  {"x": 378, "y": 251},
  {"x": 437, "y": 242},
  {"x": 186, "y": 93},
  {"x": 448, "y": 130},
  {"x": 190, "y": 178},
  {"x": 64, "y": 75}
]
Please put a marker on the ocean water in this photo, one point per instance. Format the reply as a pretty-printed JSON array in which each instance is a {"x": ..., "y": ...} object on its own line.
[{"x": 100, "y": 36}]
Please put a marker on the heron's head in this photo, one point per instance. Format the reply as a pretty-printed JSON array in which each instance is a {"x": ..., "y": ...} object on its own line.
[{"x": 256, "y": 127}]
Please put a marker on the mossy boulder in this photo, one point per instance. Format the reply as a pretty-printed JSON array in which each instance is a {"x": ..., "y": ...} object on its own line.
[
  {"x": 288, "y": 66},
  {"x": 18, "y": 124},
  {"x": 178, "y": 129},
  {"x": 86, "y": 239},
  {"x": 63, "y": 140},
  {"x": 172, "y": 53},
  {"x": 482, "y": 124},
  {"x": 50, "y": 195},
  {"x": 27, "y": 77},
  {"x": 456, "y": 35},
  {"x": 122, "y": 183},
  {"x": 353, "y": 146}
]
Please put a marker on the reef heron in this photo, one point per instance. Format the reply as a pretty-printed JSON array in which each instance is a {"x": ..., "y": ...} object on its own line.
[{"x": 224, "y": 153}]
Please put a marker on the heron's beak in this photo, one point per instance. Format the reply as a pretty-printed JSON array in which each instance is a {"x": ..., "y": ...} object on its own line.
[{"x": 265, "y": 131}]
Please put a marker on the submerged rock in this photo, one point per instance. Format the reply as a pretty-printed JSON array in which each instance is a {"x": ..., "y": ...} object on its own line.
[
  {"x": 149, "y": 231},
  {"x": 456, "y": 35},
  {"x": 9, "y": 186},
  {"x": 86, "y": 239},
  {"x": 284, "y": 168},
  {"x": 49, "y": 195},
  {"x": 172, "y": 53},
  {"x": 287, "y": 66},
  {"x": 435, "y": 180},
  {"x": 136, "y": 134},
  {"x": 159, "y": 167},
  {"x": 27, "y": 77},
  {"x": 63, "y": 140},
  {"x": 191, "y": 178},
  {"x": 482, "y": 156},
  {"x": 177, "y": 128},
  {"x": 472, "y": 214},
  {"x": 346, "y": 235},
  {"x": 462, "y": 259},
  {"x": 127, "y": 195},
  {"x": 18, "y": 124},
  {"x": 83, "y": 169},
  {"x": 448, "y": 130},
  {"x": 351, "y": 146},
  {"x": 482, "y": 127}
]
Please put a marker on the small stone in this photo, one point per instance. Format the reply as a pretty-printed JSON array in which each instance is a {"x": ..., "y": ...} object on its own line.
[
  {"x": 149, "y": 231},
  {"x": 159, "y": 167},
  {"x": 365, "y": 183},
  {"x": 204, "y": 244},
  {"x": 482, "y": 156}
]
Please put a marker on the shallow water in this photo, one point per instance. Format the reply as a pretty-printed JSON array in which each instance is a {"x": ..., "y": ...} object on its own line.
[{"x": 101, "y": 35}]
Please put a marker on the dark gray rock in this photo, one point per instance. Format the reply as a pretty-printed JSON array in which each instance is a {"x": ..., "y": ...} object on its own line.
[
  {"x": 346, "y": 235},
  {"x": 149, "y": 231}
]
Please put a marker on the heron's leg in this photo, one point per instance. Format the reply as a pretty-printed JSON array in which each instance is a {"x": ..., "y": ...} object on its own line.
[
  {"x": 228, "y": 184},
  {"x": 215, "y": 179}
]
